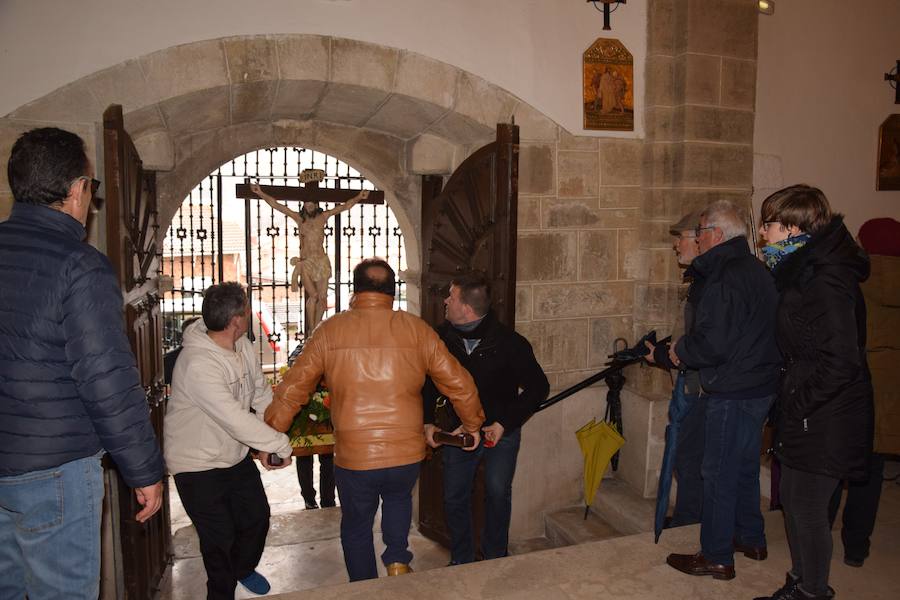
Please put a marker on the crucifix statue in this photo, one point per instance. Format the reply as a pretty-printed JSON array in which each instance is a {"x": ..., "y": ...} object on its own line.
[{"x": 313, "y": 267}]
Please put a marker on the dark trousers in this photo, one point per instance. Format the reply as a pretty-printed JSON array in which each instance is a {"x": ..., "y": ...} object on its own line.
[
  {"x": 360, "y": 493},
  {"x": 860, "y": 510},
  {"x": 230, "y": 510},
  {"x": 459, "y": 476},
  {"x": 688, "y": 462},
  {"x": 731, "y": 476},
  {"x": 805, "y": 497},
  {"x": 326, "y": 479}
]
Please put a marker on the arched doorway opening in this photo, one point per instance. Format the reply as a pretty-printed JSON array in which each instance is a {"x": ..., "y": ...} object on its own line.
[{"x": 217, "y": 236}]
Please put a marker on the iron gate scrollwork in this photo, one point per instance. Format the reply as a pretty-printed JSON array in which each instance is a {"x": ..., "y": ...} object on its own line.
[{"x": 217, "y": 237}]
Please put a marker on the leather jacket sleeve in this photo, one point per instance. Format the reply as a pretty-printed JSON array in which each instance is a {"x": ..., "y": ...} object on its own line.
[
  {"x": 454, "y": 381},
  {"x": 298, "y": 383}
]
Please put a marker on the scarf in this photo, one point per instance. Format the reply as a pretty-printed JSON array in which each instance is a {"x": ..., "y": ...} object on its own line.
[{"x": 775, "y": 253}]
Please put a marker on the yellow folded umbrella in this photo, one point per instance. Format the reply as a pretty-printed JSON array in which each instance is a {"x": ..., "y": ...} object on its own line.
[{"x": 599, "y": 441}]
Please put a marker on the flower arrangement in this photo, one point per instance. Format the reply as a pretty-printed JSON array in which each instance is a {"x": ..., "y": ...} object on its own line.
[{"x": 313, "y": 420}]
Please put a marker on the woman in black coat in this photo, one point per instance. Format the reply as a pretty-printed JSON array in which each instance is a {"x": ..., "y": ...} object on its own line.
[{"x": 824, "y": 408}]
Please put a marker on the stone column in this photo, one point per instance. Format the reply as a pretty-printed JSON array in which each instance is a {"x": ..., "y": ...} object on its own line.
[{"x": 701, "y": 88}]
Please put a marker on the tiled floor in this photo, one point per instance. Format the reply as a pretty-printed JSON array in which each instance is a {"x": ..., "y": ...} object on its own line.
[
  {"x": 304, "y": 552},
  {"x": 303, "y": 548}
]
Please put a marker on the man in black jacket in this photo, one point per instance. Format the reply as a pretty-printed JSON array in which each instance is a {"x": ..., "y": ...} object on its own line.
[
  {"x": 69, "y": 389},
  {"x": 731, "y": 341},
  {"x": 502, "y": 363}
]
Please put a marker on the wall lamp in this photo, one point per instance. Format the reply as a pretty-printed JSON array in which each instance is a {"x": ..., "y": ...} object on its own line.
[
  {"x": 606, "y": 9},
  {"x": 766, "y": 7}
]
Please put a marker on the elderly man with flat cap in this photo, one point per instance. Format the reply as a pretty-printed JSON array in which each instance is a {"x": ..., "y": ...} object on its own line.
[{"x": 689, "y": 454}]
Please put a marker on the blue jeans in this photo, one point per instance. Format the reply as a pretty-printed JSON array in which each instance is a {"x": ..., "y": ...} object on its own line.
[
  {"x": 459, "y": 475},
  {"x": 360, "y": 492},
  {"x": 50, "y": 532},
  {"x": 731, "y": 476}
]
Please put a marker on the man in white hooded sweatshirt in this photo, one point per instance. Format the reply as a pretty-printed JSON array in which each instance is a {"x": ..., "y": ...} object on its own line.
[{"x": 209, "y": 431}]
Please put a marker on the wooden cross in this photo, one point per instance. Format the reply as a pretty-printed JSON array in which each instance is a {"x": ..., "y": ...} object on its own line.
[
  {"x": 894, "y": 76},
  {"x": 310, "y": 192}
]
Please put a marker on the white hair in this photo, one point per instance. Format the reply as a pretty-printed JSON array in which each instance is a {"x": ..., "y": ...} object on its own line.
[{"x": 728, "y": 217}]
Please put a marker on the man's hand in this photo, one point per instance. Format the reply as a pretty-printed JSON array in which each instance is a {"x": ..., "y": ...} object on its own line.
[
  {"x": 254, "y": 187},
  {"x": 363, "y": 195},
  {"x": 651, "y": 348},
  {"x": 264, "y": 461},
  {"x": 674, "y": 357},
  {"x": 493, "y": 433},
  {"x": 150, "y": 497},
  {"x": 430, "y": 430},
  {"x": 476, "y": 435}
]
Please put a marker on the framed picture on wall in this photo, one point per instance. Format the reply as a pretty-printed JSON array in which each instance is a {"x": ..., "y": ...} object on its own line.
[
  {"x": 889, "y": 154},
  {"x": 608, "y": 86}
]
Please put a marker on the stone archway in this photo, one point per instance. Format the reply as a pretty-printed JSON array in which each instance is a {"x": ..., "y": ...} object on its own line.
[{"x": 396, "y": 114}]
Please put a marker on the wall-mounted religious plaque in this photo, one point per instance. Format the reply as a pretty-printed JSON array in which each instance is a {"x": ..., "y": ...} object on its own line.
[
  {"x": 889, "y": 154},
  {"x": 608, "y": 86}
]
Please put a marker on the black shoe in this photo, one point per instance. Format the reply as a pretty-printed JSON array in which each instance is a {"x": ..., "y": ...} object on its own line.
[
  {"x": 785, "y": 592},
  {"x": 799, "y": 594},
  {"x": 853, "y": 562},
  {"x": 753, "y": 552},
  {"x": 311, "y": 505}
]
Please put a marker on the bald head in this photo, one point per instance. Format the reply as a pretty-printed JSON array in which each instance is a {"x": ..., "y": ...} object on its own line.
[{"x": 374, "y": 275}]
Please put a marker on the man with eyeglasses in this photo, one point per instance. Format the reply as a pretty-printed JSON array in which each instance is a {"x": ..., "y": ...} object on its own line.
[
  {"x": 69, "y": 389},
  {"x": 689, "y": 454},
  {"x": 731, "y": 342}
]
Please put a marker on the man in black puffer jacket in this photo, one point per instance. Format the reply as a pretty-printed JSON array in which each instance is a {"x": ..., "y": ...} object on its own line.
[
  {"x": 731, "y": 341},
  {"x": 502, "y": 363},
  {"x": 69, "y": 389}
]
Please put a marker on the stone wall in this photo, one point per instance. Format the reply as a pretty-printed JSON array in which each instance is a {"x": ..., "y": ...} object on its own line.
[{"x": 579, "y": 203}]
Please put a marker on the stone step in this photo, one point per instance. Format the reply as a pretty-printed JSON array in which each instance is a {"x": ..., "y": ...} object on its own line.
[
  {"x": 568, "y": 527},
  {"x": 623, "y": 508},
  {"x": 526, "y": 546}
]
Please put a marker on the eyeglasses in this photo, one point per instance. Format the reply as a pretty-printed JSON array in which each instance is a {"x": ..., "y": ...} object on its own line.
[
  {"x": 95, "y": 183},
  {"x": 700, "y": 230}
]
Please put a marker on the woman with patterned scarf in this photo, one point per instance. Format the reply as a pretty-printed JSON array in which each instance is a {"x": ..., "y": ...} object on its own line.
[{"x": 824, "y": 408}]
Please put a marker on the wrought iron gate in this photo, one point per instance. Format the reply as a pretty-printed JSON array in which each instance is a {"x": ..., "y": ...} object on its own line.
[{"x": 216, "y": 237}]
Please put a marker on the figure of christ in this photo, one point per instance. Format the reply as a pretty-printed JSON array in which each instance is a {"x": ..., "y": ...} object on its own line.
[
  {"x": 607, "y": 92},
  {"x": 312, "y": 267}
]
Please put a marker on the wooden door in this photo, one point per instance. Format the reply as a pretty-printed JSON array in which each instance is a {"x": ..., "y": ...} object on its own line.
[
  {"x": 470, "y": 224},
  {"x": 143, "y": 549}
]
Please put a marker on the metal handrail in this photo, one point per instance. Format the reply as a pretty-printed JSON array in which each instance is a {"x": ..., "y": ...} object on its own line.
[{"x": 619, "y": 361}]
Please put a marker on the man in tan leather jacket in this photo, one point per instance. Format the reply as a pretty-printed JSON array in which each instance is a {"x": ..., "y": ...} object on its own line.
[{"x": 374, "y": 360}]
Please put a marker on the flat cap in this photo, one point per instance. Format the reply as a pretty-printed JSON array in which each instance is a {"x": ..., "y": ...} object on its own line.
[{"x": 688, "y": 222}]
